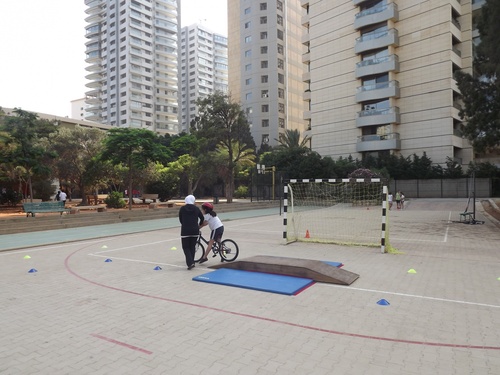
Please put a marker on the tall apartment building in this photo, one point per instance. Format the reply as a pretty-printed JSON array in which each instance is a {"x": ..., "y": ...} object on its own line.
[
  {"x": 265, "y": 65},
  {"x": 203, "y": 68},
  {"x": 132, "y": 54},
  {"x": 381, "y": 76}
]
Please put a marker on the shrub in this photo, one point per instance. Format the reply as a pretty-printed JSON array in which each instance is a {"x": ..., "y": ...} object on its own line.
[
  {"x": 115, "y": 200},
  {"x": 241, "y": 192}
]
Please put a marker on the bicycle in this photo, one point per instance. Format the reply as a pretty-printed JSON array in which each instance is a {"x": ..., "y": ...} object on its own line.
[{"x": 227, "y": 249}]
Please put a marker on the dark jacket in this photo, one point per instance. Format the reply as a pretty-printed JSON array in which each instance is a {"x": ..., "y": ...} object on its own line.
[{"x": 191, "y": 218}]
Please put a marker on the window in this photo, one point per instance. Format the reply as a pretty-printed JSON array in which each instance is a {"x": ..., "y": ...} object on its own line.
[
  {"x": 281, "y": 108},
  {"x": 280, "y": 34},
  {"x": 281, "y": 122},
  {"x": 264, "y": 79},
  {"x": 263, "y": 6},
  {"x": 263, "y": 50},
  {"x": 263, "y": 35},
  {"x": 265, "y": 123},
  {"x": 248, "y": 67},
  {"x": 280, "y": 20},
  {"x": 281, "y": 78},
  {"x": 280, "y": 49},
  {"x": 263, "y": 20},
  {"x": 248, "y": 53},
  {"x": 281, "y": 64},
  {"x": 263, "y": 64},
  {"x": 279, "y": 5},
  {"x": 265, "y": 108},
  {"x": 247, "y": 11},
  {"x": 281, "y": 93},
  {"x": 247, "y": 24},
  {"x": 248, "y": 39},
  {"x": 248, "y": 96},
  {"x": 248, "y": 81},
  {"x": 264, "y": 93}
]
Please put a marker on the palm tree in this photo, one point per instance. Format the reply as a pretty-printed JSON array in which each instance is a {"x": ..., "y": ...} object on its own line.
[{"x": 291, "y": 139}]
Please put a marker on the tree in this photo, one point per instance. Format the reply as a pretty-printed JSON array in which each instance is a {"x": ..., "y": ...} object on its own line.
[
  {"x": 189, "y": 169},
  {"x": 291, "y": 139},
  {"x": 481, "y": 91},
  {"x": 76, "y": 148},
  {"x": 133, "y": 149},
  {"x": 28, "y": 158},
  {"x": 223, "y": 123}
]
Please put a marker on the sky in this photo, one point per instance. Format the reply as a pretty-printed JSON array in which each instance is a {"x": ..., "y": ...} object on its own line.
[{"x": 42, "y": 44}]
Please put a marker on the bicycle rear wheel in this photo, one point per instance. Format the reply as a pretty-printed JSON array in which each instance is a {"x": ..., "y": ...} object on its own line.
[
  {"x": 229, "y": 250},
  {"x": 199, "y": 251}
]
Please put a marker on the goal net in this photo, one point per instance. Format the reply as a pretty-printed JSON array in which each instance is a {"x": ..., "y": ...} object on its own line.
[{"x": 342, "y": 211}]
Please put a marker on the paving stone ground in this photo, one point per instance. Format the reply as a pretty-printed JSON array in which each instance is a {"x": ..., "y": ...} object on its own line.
[{"x": 81, "y": 315}]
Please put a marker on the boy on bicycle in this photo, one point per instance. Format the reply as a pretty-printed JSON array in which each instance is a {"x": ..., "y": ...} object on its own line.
[{"x": 215, "y": 225}]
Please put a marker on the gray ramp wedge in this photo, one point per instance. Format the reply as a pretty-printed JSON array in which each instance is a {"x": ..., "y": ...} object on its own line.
[{"x": 306, "y": 268}]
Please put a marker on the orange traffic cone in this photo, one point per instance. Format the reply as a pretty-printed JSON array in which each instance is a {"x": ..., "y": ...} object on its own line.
[{"x": 307, "y": 234}]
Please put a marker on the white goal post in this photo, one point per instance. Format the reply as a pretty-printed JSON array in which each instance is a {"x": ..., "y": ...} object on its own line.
[{"x": 349, "y": 211}]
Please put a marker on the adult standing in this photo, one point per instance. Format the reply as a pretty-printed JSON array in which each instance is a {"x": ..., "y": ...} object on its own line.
[
  {"x": 191, "y": 219},
  {"x": 390, "y": 198}
]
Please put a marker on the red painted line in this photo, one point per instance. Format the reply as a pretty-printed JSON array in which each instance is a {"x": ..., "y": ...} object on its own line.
[
  {"x": 121, "y": 344},
  {"x": 356, "y": 335}
]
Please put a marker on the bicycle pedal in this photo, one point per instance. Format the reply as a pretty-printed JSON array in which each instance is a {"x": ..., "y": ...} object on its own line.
[{"x": 213, "y": 256}]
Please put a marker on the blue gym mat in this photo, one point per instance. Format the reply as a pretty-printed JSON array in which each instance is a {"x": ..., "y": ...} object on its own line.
[
  {"x": 265, "y": 282},
  {"x": 334, "y": 264}
]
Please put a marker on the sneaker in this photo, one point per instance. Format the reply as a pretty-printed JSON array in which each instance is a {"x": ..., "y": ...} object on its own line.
[
  {"x": 203, "y": 260},
  {"x": 191, "y": 267}
]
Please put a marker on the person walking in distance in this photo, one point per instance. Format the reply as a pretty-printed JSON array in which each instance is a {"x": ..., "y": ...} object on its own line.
[
  {"x": 191, "y": 220},
  {"x": 215, "y": 225},
  {"x": 398, "y": 200},
  {"x": 63, "y": 196},
  {"x": 390, "y": 198}
]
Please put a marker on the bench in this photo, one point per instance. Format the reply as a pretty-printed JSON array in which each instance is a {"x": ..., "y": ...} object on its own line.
[
  {"x": 158, "y": 204},
  {"x": 41, "y": 207},
  {"x": 98, "y": 207},
  {"x": 96, "y": 199},
  {"x": 153, "y": 197}
]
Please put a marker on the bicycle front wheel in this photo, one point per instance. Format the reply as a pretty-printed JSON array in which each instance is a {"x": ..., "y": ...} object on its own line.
[
  {"x": 199, "y": 251},
  {"x": 229, "y": 250}
]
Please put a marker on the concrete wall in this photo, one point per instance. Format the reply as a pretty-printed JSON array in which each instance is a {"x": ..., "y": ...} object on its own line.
[{"x": 445, "y": 188}]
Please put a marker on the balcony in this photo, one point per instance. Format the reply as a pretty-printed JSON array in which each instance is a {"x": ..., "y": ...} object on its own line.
[
  {"x": 376, "y": 142},
  {"x": 305, "y": 39},
  {"x": 376, "y": 15},
  {"x": 378, "y": 40},
  {"x": 358, "y": 2},
  {"x": 371, "y": 117},
  {"x": 306, "y": 58},
  {"x": 307, "y": 96},
  {"x": 377, "y": 91},
  {"x": 306, "y": 77},
  {"x": 304, "y": 3},
  {"x": 305, "y": 20},
  {"x": 307, "y": 115},
  {"x": 377, "y": 66}
]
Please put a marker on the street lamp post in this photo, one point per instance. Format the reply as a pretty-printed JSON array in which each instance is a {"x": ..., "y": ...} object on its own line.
[{"x": 262, "y": 169}]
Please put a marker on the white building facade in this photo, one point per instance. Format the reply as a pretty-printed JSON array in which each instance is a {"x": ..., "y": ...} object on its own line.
[
  {"x": 381, "y": 76},
  {"x": 203, "y": 69},
  {"x": 132, "y": 53},
  {"x": 265, "y": 66}
]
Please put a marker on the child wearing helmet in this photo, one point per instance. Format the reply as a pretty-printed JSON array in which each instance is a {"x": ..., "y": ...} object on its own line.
[{"x": 215, "y": 225}]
